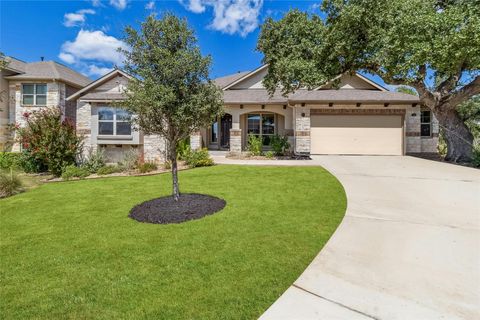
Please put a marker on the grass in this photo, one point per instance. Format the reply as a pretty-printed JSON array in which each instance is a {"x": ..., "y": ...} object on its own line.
[{"x": 69, "y": 251}]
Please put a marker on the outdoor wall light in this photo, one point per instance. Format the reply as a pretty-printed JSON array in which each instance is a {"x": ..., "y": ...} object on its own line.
[
  {"x": 241, "y": 106},
  {"x": 358, "y": 104},
  {"x": 284, "y": 106},
  {"x": 263, "y": 106},
  {"x": 386, "y": 104},
  {"x": 330, "y": 104},
  {"x": 414, "y": 114},
  {"x": 414, "y": 105},
  {"x": 303, "y": 114},
  {"x": 303, "y": 104}
]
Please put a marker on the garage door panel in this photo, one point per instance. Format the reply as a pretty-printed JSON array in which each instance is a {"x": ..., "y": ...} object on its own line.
[{"x": 357, "y": 134}]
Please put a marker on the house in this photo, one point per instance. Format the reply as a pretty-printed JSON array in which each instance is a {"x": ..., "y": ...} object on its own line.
[
  {"x": 351, "y": 115},
  {"x": 26, "y": 87}
]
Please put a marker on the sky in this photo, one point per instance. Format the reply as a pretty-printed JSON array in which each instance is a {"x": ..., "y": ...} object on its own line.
[{"x": 84, "y": 34}]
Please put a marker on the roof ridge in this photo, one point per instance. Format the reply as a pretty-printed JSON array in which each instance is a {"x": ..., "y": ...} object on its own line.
[{"x": 54, "y": 67}]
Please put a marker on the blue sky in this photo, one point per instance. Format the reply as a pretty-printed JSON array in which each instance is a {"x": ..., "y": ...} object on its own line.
[
  {"x": 84, "y": 34},
  {"x": 31, "y": 29}
]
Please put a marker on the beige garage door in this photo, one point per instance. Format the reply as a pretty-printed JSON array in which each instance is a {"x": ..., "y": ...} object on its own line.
[{"x": 357, "y": 134}]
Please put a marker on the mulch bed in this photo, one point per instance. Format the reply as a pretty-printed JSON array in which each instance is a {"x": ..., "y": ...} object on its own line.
[{"x": 165, "y": 210}]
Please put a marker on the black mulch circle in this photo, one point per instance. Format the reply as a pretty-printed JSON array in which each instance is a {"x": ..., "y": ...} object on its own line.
[{"x": 165, "y": 210}]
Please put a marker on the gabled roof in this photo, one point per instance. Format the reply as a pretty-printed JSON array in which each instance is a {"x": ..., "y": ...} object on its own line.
[
  {"x": 226, "y": 80},
  {"x": 46, "y": 70},
  {"x": 112, "y": 74},
  {"x": 246, "y": 76}
]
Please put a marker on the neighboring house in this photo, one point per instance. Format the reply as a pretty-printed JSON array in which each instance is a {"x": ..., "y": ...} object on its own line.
[
  {"x": 27, "y": 87},
  {"x": 351, "y": 115}
]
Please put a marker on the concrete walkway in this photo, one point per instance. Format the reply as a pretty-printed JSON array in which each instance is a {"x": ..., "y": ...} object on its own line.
[{"x": 408, "y": 247}]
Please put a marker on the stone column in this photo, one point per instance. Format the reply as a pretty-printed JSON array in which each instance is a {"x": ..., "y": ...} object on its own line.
[
  {"x": 302, "y": 130},
  {"x": 412, "y": 130},
  {"x": 196, "y": 140},
  {"x": 235, "y": 134}
]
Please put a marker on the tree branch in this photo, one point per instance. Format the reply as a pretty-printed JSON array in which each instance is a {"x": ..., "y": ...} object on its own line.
[
  {"x": 451, "y": 82},
  {"x": 465, "y": 93}
]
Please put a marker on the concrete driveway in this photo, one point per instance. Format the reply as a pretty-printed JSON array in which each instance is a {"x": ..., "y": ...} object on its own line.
[{"x": 408, "y": 247}]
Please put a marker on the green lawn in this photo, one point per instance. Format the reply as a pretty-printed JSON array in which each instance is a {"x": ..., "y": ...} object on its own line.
[{"x": 69, "y": 251}]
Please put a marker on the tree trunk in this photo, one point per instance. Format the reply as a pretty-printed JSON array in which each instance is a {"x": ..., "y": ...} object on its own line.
[
  {"x": 457, "y": 135},
  {"x": 173, "y": 160}
]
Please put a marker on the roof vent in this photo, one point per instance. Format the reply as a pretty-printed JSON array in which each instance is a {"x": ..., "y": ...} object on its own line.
[{"x": 42, "y": 58}]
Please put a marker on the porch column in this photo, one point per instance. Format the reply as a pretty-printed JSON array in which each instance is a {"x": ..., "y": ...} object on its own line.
[
  {"x": 195, "y": 140},
  {"x": 302, "y": 130},
  {"x": 235, "y": 134}
]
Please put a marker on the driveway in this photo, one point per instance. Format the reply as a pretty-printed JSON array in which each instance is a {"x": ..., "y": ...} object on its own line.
[{"x": 408, "y": 247}]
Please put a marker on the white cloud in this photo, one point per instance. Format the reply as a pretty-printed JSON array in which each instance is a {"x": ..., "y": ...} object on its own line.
[
  {"x": 96, "y": 3},
  {"x": 150, "y": 5},
  {"x": 76, "y": 18},
  {"x": 92, "y": 46},
  {"x": 94, "y": 70},
  {"x": 230, "y": 16},
  {"x": 119, "y": 4}
]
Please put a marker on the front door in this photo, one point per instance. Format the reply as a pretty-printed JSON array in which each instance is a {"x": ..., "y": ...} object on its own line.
[{"x": 225, "y": 126}]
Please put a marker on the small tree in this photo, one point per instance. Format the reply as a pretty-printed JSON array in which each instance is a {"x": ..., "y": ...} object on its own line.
[
  {"x": 48, "y": 141},
  {"x": 170, "y": 94},
  {"x": 430, "y": 45}
]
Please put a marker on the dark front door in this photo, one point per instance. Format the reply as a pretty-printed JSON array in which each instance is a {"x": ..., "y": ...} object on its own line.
[{"x": 226, "y": 125}]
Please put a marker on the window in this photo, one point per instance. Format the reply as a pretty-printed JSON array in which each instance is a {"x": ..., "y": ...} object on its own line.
[
  {"x": 262, "y": 125},
  {"x": 114, "y": 121},
  {"x": 34, "y": 94},
  {"x": 425, "y": 123}
]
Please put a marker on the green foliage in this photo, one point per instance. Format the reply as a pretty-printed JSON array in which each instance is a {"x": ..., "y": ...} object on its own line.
[
  {"x": 430, "y": 45},
  {"x": 73, "y": 171},
  {"x": 167, "y": 165},
  {"x": 279, "y": 144},
  {"x": 9, "y": 160},
  {"x": 270, "y": 154},
  {"x": 10, "y": 183},
  {"x": 199, "y": 158},
  {"x": 407, "y": 90},
  {"x": 183, "y": 149},
  {"x": 130, "y": 159},
  {"x": 254, "y": 145},
  {"x": 109, "y": 170},
  {"x": 469, "y": 111},
  {"x": 171, "y": 93},
  {"x": 476, "y": 157},
  {"x": 147, "y": 167},
  {"x": 49, "y": 142},
  {"x": 95, "y": 160}
]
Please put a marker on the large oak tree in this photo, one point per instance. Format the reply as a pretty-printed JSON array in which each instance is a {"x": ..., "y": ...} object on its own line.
[
  {"x": 171, "y": 93},
  {"x": 430, "y": 45}
]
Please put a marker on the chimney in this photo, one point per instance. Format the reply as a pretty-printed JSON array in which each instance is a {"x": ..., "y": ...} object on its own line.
[{"x": 42, "y": 58}]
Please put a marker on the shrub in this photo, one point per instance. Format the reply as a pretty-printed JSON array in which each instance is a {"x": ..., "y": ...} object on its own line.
[
  {"x": 147, "y": 167},
  {"x": 49, "y": 142},
  {"x": 167, "y": 165},
  {"x": 130, "y": 159},
  {"x": 199, "y": 158},
  {"x": 254, "y": 145},
  {"x": 183, "y": 149},
  {"x": 95, "y": 160},
  {"x": 9, "y": 160},
  {"x": 10, "y": 184},
  {"x": 109, "y": 170},
  {"x": 279, "y": 144},
  {"x": 476, "y": 157},
  {"x": 73, "y": 171},
  {"x": 269, "y": 154}
]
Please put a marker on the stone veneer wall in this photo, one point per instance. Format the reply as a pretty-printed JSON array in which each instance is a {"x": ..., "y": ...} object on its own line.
[
  {"x": 235, "y": 141},
  {"x": 154, "y": 148},
  {"x": 413, "y": 142},
  {"x": 302, "y": 129},
  {"x": 195, "y": 141},
  {"x": 84, "y": 125}
]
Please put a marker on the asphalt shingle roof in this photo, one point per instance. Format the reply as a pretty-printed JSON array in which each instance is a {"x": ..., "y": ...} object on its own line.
[
  {"x": 222, "y": 82},
  {"x": 48, "y": 70}
]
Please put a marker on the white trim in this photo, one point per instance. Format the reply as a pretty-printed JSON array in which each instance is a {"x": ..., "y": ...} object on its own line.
[
  {"x": 248, "y": 75},
  {"x": 98, "y": 82}
]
